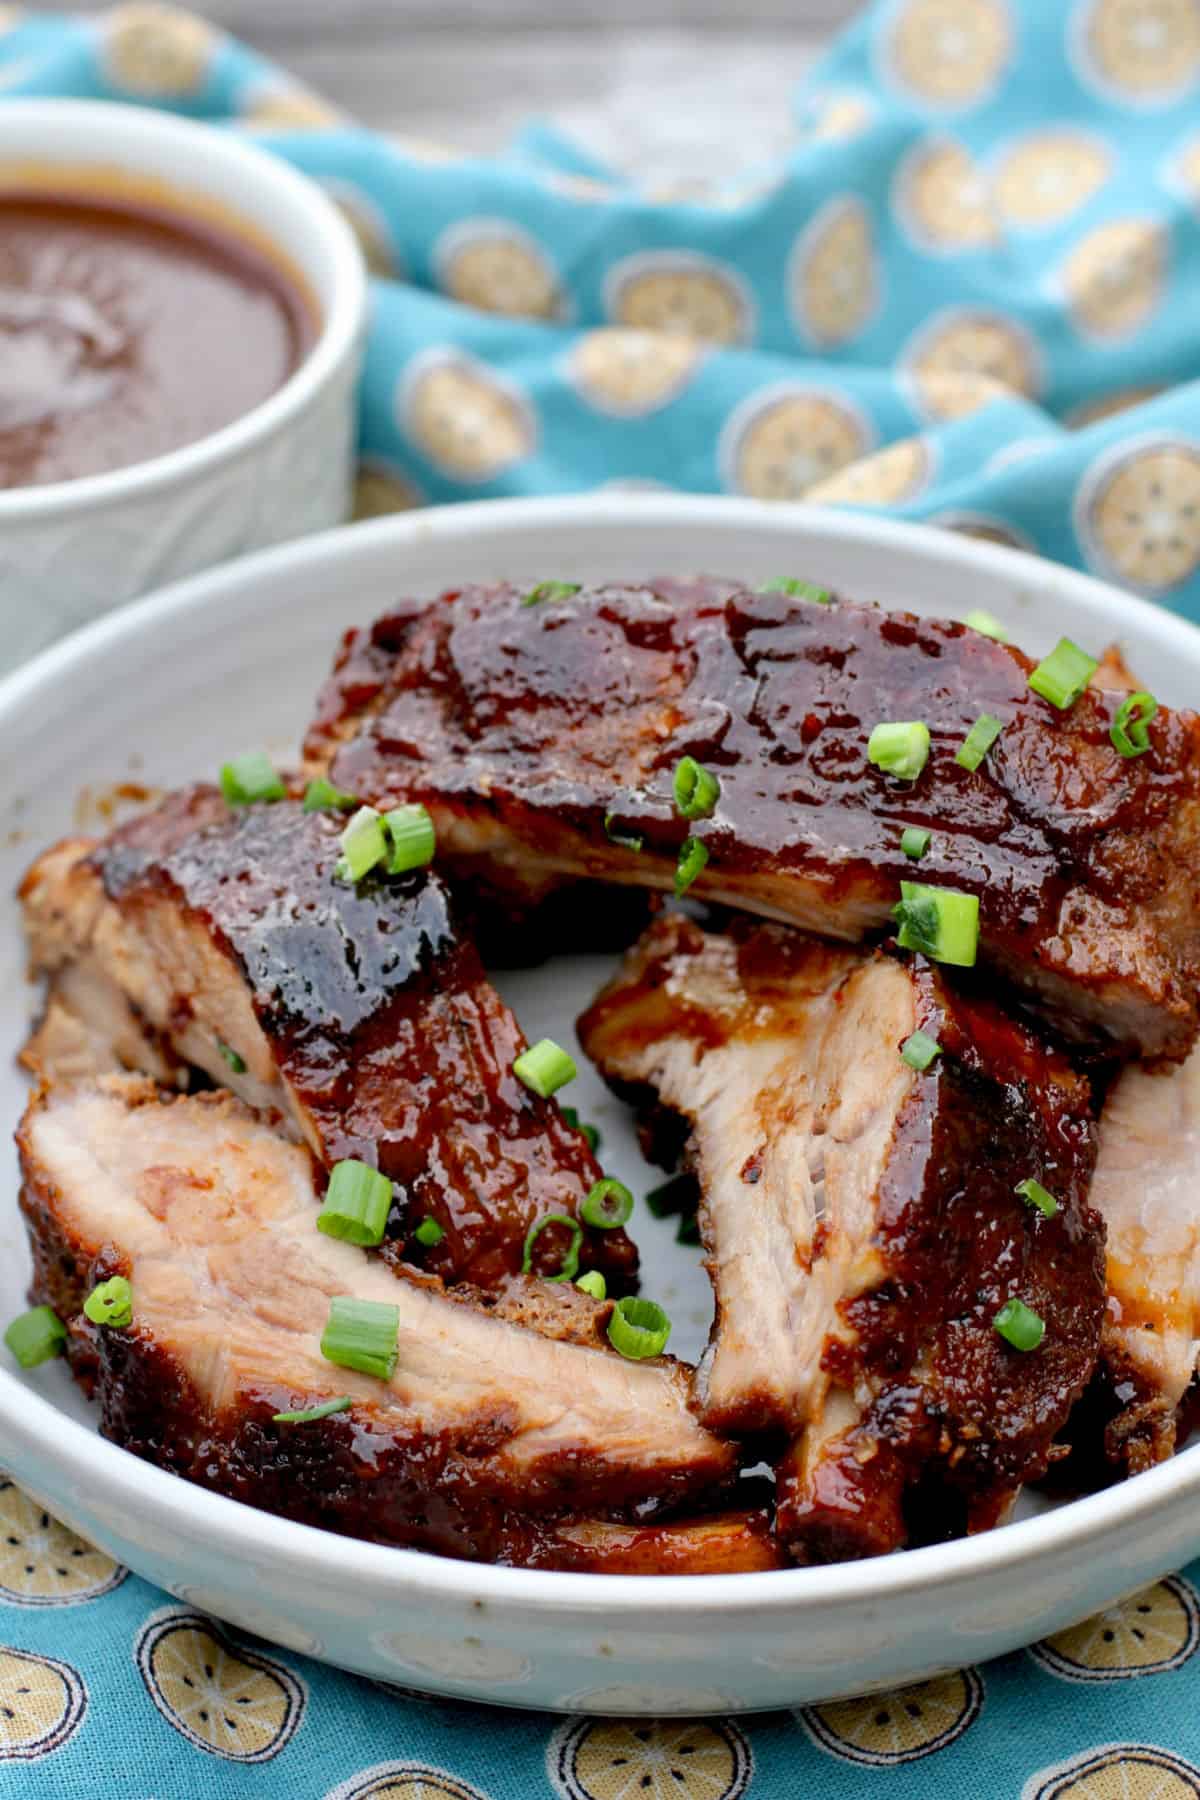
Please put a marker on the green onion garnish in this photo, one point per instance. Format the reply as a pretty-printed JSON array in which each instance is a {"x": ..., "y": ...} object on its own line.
[
  {"x": 799, "y": 590},
  {"x": 899, "y": 749},
  {"x": 1062, "y": 676},
  {"x": 1019, "y": 1325},
  {"x": 1038, "y": 1196},
  {"x": 321, "y": 796},
  {"x": 429, "y": 1233},
  {"x": 593, "y": 1283},
  {"x": 988, "y": 624},
  {"x": 551, "y": 590},
  {"x": 364, "y": 846},
  {"x": 625, "y": 840},
  {"x": 111, "y": 1303},
  {"x": 689, "y": 1229},
  {"x": 362, "y": 1335},
  {"x": 570, "y": 1261},
  {"x": 978, "y": 741},
  {"x": 697, "y": 790},
  {"x": 236, "y": 1062},
  {"x": 36, "y": 1336},
  {"x": 411, "y": 836},
  {"x": 357, "y": 1202},
  {"x": 919, "y": 1050},
  {"x": 1129, "y": 729},
  {"x": 608, "y": 1204},
  {"x": 544, "y": 1068},
  {"x": 251, "y": 777},
  {"x": 638, "y": 1328},
  {"x": 309, "y": 1413},
  {"x": 940, "y": 922},
  {"x": 914, "y": 841},
  {"x": 693, "y": 855},
  {"x": 675, "y": 1196},
  {"x": 573, "y": 1119}
]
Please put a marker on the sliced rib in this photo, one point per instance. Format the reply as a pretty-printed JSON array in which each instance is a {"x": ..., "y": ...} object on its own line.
[
  {"x": 210, "y": 1215},
  {"x": 861, "y": 1224},
  {"x": 197, "y": 936},
  {"x": 1147, "y": 1187},
  {"x": 523, "y": 727}
]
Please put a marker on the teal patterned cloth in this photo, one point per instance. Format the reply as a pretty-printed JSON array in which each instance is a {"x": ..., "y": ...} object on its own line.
[{"x": 968, "y": 295}]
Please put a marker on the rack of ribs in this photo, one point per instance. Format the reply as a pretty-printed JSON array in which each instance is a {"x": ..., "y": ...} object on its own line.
[
  {"x": 203, "y": 937},
  {"x": 537, "y": 734},
  {"x": 861, "y": 1223},
  {"x": 489, "y": 1441}
]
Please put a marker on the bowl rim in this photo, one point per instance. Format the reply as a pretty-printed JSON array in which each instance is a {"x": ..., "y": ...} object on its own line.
[
  {"x": 29, "y": 1418},
  {"x": 87, "y": 128}
]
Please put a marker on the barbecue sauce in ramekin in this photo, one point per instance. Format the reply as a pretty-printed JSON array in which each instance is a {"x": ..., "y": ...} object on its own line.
[{"x": 129, "y": 328}]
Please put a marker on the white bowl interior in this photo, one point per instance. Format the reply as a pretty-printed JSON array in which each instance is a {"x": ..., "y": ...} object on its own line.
[{"x": 166, "y": 690}]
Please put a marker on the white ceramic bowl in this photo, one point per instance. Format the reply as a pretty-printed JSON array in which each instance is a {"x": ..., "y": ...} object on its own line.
[
  {"x": 167, "y": 689},
  {"x": 70, "y": 550}
]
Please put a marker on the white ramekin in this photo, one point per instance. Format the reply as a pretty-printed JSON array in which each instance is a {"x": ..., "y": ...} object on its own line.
[{"x": 71, "y": 550}]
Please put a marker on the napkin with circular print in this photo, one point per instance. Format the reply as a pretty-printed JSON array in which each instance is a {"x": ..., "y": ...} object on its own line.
[{"x": 966, "y": 296}]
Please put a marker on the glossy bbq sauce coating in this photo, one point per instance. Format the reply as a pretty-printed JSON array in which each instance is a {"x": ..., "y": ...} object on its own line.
[
  {"x": 395, "y": 1046},
  {"x": 126, "y": 332}
]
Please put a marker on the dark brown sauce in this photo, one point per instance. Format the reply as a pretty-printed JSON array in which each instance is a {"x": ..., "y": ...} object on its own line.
[{"x": 127, "y": 331}]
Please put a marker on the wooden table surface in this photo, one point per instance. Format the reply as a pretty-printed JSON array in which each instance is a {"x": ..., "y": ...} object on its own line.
[{"x": 676, "y": 87}]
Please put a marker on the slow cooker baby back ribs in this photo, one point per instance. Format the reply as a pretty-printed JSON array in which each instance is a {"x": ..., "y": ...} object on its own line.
[
  {"x": 544, "y": 738},
  {"x": 486, "y": 1441},
  {"x": 216, "y": 938},
  {"x": 862, "y": 1222}
]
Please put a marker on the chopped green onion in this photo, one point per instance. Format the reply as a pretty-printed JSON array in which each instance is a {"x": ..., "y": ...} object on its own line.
[
  {"x": 357, "y": 1202},
  {"x": 411, "y": 836},
  {"x": 362, "y": 1335},
  {"x": 914, "y": 841},
  {"x": 675, "y": 1196},
  {"x": 577, "y": 1124},
  {"x": 799, "y": 590},
  {"x": 551, "y": 590},
  {"x": 544, "y": 1068},
  {"x": 35, "y": 1336},
  {"x": 321, "y": 796},
  {"x": 608, "y": 1204},
  {"x": 570, "y": 1261},
  {"x": 638, "y": 1328},
  {"x": 364, "y": 846},
  {"x": 697, "y": 790},
  {"x": 978, "y": 741},
  {"x": 940, "y": 922},
  {"x": 429, "y": 1233},
  {"x": 899, "y": 749},
  {"x": 111, "y": 1303},
  {"x": 1129, "y": 729},
  {"x": 236, "y": 1062},
  {"x": 1062, "y": 676},
  {"x": 988, "y": 624},
  {"x": 593, "y": 1283},
  {"x": 919, "y": 1050},
  {"x": 251, "y": 777},
  {"x": 693, "y": 856},
  {"x": 308, "y": 1413},
  {"x": 689, "y": 1229},
  {"x": 623, "y": 839},
  {"x": 1038, "y": 1196},
  {"x": 1019, "y": 1325}
]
